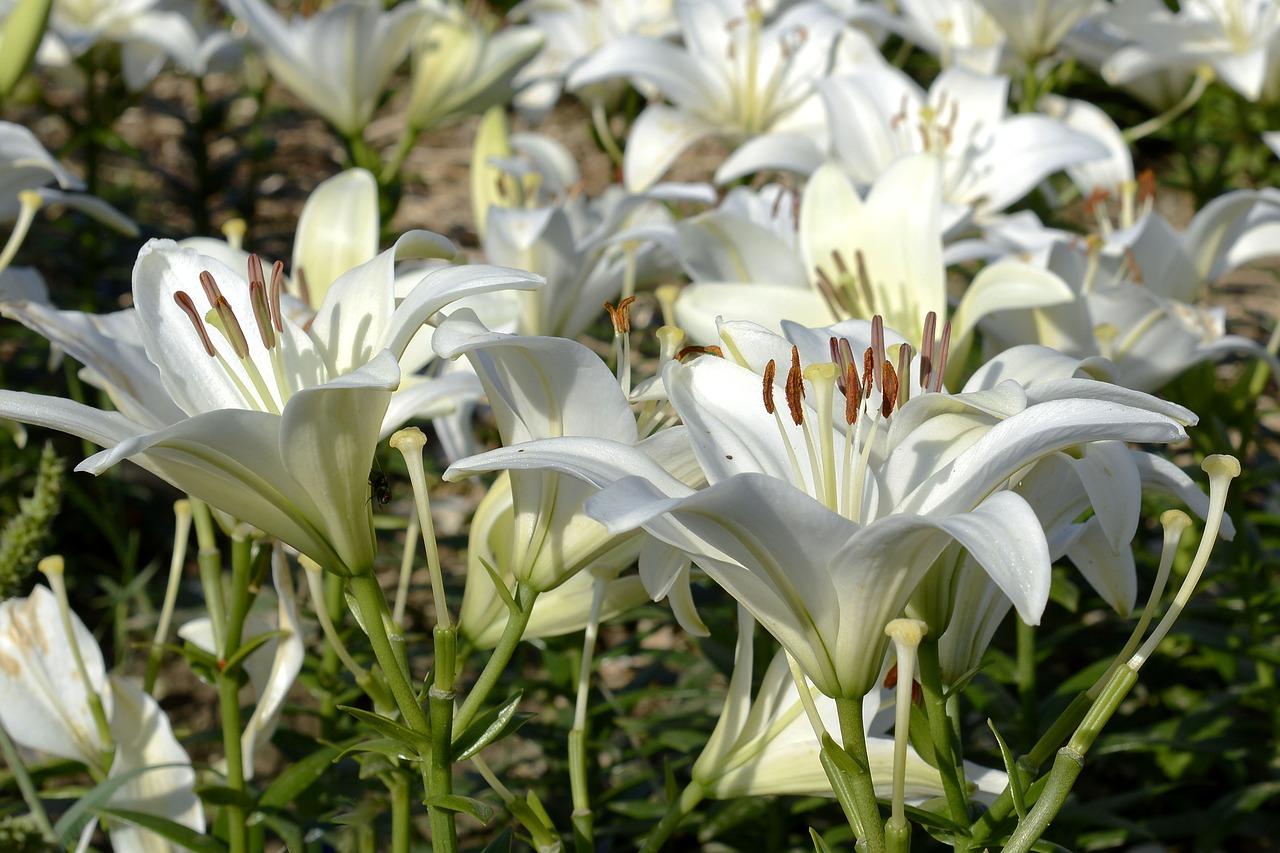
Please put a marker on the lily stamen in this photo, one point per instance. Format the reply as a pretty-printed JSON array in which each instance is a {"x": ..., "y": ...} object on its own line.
[{"x": 188, "y": 307}]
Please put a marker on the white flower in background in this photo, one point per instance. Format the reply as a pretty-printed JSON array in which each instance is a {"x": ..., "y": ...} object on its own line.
[
  {"x": 767, "y": 746},
  {"x": 573, "y": 30},
  {"x": 857, "y": 257},
  {"x": 961, "y": 33},
  {"x": 736, "y": 77},
  {"x": 339, "y": 60},
  {"x": 1035, "y": 28},
  {"x": 1139, "y": 290},
  {"x": 45, "y": 706},
  {"x": 1240, "y": 39},
  {"x": 25, "y": 165},
  {"x": 460, "y": 68},
  {"x": 590, "y": 250},
  {"x": 263, "y": 398},
  {"x": 877, "y": 114}
]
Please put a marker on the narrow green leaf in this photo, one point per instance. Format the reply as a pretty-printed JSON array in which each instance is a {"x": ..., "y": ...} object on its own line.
[
  {"x": 221, "y": 795},
  {"x": 819, "y": 845},
  {"x": 249, "y": 647},
  {"x": 1011, "y": 768},
  {"x": 298, "y": 777},
  {"x": 492, "y": 725},
  {"x": 479, "y": 810},
  {"x": 390, "y": 747},
  {"x": 420, "y": 744},
  {"x": 501, "y": 844},
  {"x": 197, "y": 842}
]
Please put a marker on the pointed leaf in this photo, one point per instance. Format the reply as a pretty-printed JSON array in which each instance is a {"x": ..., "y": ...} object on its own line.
[
  {"x": 390, "y": 728},
  {"x": 491, "y": 726},
  {"x": 300, "y": 776},
  {"x": 479, "y": 810},
  {"x": 173, "y": 831}
]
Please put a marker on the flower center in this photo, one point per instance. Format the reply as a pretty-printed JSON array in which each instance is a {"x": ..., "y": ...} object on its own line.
[
  {"x": 872, "y": 390},
  {"x": 256, "y": 389}
]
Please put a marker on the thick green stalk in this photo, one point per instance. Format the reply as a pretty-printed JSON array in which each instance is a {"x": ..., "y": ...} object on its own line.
[
  {"x": 517, "y": 621},
  {"x": 853, "y": 737},
  {"x": 444, "y": 832},
  {"x": 401, "y": 811},
  {"x": 945, "y": 745},
  {"x": 678, "y": 811},
  {"x": 372, "y": 605}
]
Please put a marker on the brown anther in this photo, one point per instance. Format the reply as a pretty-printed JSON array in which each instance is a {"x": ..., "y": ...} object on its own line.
[
  {"x": 890, "y": 381},
  {"x": 926, "y": 348},
  {"x": 904, "y": 371},
  {"x": 621, "y": 315},
  {"x": 852, "y": 394},
  {"x": 231, "y": 327},
  {"x": 1146, "y": 186},
  {"x": 891, "y": 681},
  {"x": 1096, "y": 198},
  {"x": 838, "y": 260},
  {"x": 189, "y": 308},
  {"x": 273, "y": 295},
  {"x": 262, "y": 312},
  {"x": 211, "y": 291},
  {"x": 300, "y": 278},
  {"x": 940, "y": 369},
  {"x": 1131, "y": 261},
  {"x": 770, "y": 371},
  {"x": 868, "y": 371},
  {"x": 877, "y": 348},
  {"x": 255, "y": 270},
  {"x": 696, "y": 350},
  {"x": 795, "y": 388}
]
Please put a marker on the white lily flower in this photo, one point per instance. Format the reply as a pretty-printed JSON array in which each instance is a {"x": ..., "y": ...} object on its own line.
[
  {"x": 460, "y": 68},
  {"x": 25, "y": 165},
  {"x": 539, "y": 388},
  {"x": 591, "y": 250},
  {"x": 1240, "y": 39},
  {"x": 279, "y": 421},
  {"x": 736, "y": 77},
  {"x": 44, "y": 705},
  {"x": 767, "y": 747},
  {"x": 1138, "y": 290},
  {"x": 858, "y": 257},
  {"x": 1035, "y": 28},
  {"x": 573, "y": 30},
  {"x": 825, "y": 531},
  {"x": 337, "y": 61},
  {"x": 877, "y": 114},
  {"x": 961, "y": 33}
]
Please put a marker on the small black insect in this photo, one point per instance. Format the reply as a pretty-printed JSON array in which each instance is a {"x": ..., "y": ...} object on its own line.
[{"x": 379, "y": 487}]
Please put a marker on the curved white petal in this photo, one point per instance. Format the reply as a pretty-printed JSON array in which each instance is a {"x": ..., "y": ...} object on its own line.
[
  {"x": 658, "y": 137},
  {"x": 337, "y": 231}
]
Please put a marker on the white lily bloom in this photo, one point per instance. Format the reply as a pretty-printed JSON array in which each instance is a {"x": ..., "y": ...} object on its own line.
[
  {"x": 1240, "y": 39},
  {"x": 1035, "y": 28},
  {"x": 44, "y": 705},
  {"x": 961, "y": 33},
  {"x": 822, "y": 530},
  {"x": 278, "y": 421},
  {"x": 736, "y": 77},
  {"x": 1138, "y": 290},
  {"x": 460, "y": 68},
  {"x": 575, "y": 29},
  {"x": 25, "y": 165},
  {"x": 539, "y": 388},
  {"x": 767, "y": 746},
  {"x": 337, "y": 61},
  {"x": 877, "y": 114},
  {"x": 857, "y": 257}
]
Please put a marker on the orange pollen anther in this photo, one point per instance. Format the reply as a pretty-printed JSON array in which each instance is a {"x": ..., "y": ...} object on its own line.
[
  {"x": 852, "y": 394},
  {"x": 770, "y": 371},
  {"x": 696, "y": 350},
  {"x": 621, "y": 315},
  {"x": 795, "y": 388},
  {"x": 890, "y": 389}
]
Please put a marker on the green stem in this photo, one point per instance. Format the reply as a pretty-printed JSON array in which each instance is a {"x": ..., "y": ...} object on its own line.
[
  {"x": 676, "y": 812},
  {"x": 945, "y": 744},
  {"x": 853, "y": 737},
  {"x": 372, "y": 605},
  {"x": 1069, "y": 761},
  {"x": 517, "y": 621},
  {"x": 229, "y": 705},
  {"x": 444, "y": 832},
  {"x": 30, "y": 795},
  {"x": 1026, "y": 678},
  {"x": 392, "y": 168},
  {"x": 401, "y": 812}
]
